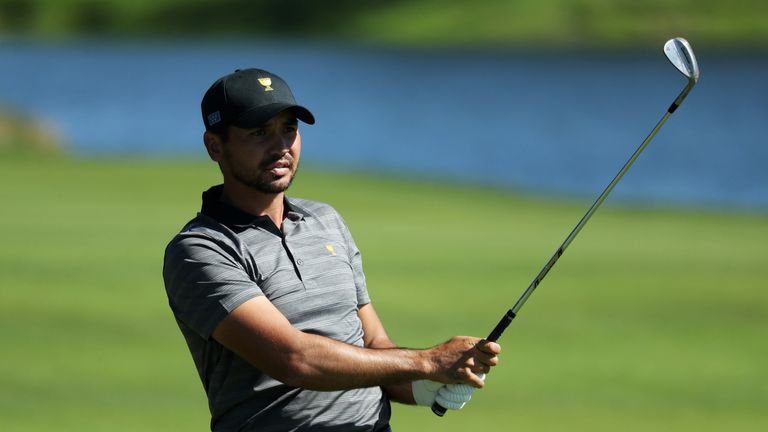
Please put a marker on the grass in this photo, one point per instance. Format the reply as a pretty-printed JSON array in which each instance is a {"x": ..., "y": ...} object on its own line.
[
  {"x": 562, "y": 23},
  {"x": 653, "y": 319},
  {"x": 534, "y": 24}
]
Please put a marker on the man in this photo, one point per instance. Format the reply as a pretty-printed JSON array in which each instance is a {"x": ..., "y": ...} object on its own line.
[{"x": 270, "y": 295}]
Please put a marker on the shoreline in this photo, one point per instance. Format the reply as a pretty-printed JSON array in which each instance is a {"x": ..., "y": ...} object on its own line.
[{"x": 23, "y": 134}]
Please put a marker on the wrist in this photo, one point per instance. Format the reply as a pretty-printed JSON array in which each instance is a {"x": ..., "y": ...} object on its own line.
[{"x": 425, "y": 364}]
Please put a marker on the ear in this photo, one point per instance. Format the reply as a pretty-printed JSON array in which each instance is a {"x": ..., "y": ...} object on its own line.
[{"x": 213, "y": 144}]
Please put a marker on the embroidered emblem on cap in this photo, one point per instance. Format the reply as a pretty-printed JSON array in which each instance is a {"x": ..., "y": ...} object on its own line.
[
  {"x": 214, "y": 118},
  {"x": 266, "y": 82}
]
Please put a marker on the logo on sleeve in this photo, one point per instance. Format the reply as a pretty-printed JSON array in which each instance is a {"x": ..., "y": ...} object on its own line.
[{"x": 330, "y": 249}]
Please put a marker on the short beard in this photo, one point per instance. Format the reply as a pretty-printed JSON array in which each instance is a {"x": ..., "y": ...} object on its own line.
[{"x": 263, "y": 181}]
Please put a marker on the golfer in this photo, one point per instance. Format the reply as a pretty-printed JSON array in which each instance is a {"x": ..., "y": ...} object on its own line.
[{"x": 270, "y": 295}]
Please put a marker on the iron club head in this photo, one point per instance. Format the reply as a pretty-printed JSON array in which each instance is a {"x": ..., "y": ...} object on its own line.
[{"x": 680, "y": 54}]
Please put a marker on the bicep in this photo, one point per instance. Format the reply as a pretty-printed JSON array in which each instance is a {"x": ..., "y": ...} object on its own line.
[{"x": 260, "y": 334}]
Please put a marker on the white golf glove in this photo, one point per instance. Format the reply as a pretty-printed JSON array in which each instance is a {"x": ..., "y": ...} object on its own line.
[
  {"x": 451, "y": 396},
  {"x": 425, "y": 391}
]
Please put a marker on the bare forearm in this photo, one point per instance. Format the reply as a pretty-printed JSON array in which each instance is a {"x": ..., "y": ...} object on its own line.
[
  {"x": 260, "y": 334},
  {"x": 400, "y": 392},
  {"x": 319, "y": 363},
  {"x": 376, "y": 338}
]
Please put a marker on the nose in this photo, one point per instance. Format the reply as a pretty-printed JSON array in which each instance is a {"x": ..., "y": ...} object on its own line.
[
  {"x": 286, "y": 141},
  {"x": 281, "y": 142}
]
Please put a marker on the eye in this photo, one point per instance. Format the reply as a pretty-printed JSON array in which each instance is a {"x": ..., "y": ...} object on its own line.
[
  {"x": 258, "y": 132},
  {"x": 291, "y": 128}
]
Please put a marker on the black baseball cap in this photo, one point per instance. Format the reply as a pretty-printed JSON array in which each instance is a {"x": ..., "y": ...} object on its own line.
[{"x": 247, "y": 98}]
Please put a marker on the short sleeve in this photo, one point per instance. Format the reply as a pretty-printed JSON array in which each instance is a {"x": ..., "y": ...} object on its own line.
[
  {"x": 205, "y": 280},
  {"x": 356, "y": 260}
]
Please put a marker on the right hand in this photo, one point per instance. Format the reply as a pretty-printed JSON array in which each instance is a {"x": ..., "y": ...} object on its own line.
[{"x": 462, "y": 359}]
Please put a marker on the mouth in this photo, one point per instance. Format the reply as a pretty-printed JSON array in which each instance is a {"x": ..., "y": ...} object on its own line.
[{"x": 280, "y": 167}]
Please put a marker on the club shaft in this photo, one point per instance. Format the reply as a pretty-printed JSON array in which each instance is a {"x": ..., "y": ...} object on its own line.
[
  {"x": 559, "y": 252},
  {"x": 510, "y": 315}
]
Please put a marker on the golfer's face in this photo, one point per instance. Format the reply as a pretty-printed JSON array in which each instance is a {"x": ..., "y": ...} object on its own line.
[{"x": 266, "y": 157}]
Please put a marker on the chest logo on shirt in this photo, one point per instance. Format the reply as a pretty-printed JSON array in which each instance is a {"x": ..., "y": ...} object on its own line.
[{"x": 330, "y": 249}]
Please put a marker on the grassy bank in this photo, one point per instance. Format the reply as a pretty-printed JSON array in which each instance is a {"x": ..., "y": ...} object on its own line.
[
  {"x": 653, "y": 320},
  {"x": 521, "y": 23},
  {"x": 23, "y": 136}
]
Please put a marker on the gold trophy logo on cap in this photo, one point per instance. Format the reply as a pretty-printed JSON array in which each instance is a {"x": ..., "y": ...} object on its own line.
[{"x": 266, "y": 82}]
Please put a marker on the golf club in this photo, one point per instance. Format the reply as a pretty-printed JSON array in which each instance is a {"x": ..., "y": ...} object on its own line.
[{"x": 680, "y": 54}]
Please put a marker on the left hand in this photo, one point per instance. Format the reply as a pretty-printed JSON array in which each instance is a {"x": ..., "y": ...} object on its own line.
[
  {"x": 455, "y": 396},
  {"x": 451, "y": 396},
  {"x": 425, "y": 391}
]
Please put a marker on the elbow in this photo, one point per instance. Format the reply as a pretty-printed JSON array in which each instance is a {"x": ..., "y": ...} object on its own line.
[
  {"x": 295, "y": 370},
  {"x": 293, "y": 373}
]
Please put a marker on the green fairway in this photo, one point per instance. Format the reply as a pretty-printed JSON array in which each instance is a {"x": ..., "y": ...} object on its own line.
[{"x": 652, "y": 320}]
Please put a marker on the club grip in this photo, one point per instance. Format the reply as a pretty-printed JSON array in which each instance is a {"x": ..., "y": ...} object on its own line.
[
  {"x": 438, "y": 409},
  {"x": 501, "y": 326}
]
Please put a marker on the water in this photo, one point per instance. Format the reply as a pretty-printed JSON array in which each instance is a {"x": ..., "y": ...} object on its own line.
[{"x": 557, "y": 124}]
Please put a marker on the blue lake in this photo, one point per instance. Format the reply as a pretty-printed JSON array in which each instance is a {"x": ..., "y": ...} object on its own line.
[{"x": 561, "y": 124}]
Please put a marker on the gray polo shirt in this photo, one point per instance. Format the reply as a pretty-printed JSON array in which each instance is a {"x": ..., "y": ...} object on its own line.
[{"x": 311, "y": 271}]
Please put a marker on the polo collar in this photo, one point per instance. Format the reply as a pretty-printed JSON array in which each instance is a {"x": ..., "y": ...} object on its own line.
[{"x": 231, "y": 216}]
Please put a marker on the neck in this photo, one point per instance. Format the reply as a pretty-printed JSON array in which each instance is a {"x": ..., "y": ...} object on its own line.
[{"x": 254, "y": 202}]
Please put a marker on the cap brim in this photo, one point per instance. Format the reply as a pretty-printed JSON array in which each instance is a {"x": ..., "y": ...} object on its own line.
[{"x": 258, "y": 116}]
